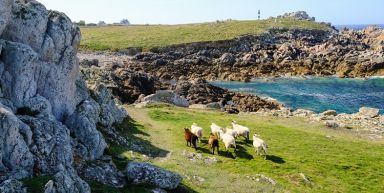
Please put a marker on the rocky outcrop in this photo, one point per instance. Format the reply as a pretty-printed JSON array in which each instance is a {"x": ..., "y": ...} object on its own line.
[
  {"x": 165, "y": 96},
  {"x": 368, "y": 112},
  {"x": 144, "y": 173},
  {"x": 126, "y": 85},
  {"x": 300, "y": 15},
  {"x": 48, "y": 116},
  {"x": 278, "y": 52},
  {"x": 66, "y": 182},
  {"x": 15, "y": 137},
  {"x": 104, "y": 172},
  {"x": 199, "y": 91},
  {"x": 39, "y": 57}
]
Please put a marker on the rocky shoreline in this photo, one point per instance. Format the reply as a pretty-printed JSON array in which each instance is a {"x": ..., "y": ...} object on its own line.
[{"x": 279, "y": 52}]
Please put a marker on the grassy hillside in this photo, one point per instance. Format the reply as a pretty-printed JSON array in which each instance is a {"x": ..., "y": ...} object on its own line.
[
  {"x": 148, "y": 36},
  {"x": 333, "y": 160}
]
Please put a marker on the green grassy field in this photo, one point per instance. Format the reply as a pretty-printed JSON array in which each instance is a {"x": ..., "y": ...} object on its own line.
[
  {"x": 114, "y": 38},
  {"x": 333, "y": 160}
]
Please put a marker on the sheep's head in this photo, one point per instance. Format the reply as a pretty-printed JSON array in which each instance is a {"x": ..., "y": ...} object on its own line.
[
  {"x": 256, "y": 135},
  {"x": 194, "y": 124},
  {"x": 234, "y": 122}
]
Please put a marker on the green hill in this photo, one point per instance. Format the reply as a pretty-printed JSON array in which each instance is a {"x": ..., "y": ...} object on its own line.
[{"x": 114, "y": 38}]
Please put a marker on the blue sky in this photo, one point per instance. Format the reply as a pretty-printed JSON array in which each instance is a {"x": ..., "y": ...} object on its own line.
[{"x": 191, "y": 11}]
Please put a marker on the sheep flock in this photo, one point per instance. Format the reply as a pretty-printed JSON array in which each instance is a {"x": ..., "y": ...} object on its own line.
[{"x": 228, "y": 136}]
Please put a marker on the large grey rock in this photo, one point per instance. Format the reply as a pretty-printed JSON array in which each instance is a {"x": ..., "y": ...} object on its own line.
[
  {"x": 14, "y": 151},
  {"x": 18, "y": 79},
  {"x": 368, "y": 112},
  {"x": 5, "y": 13},
  {"x": 165, "y": 96},
  {"x": 333, "y": 124},
  {"x": 104, "y": 172},
  {"x": 39, "y": 57},
  {"x": 12, "y": 186},
  {"x": 39, "y": 104},
  {"x": 227, "y": 59},
  {"x": 109, "y": 112},
  {"x": 303, "y": 113},
  {"x": 83, "y": 124},
  {"x": 51, "y": 145},
  {"x": 329, "y": 113},
  {"x": 39, "y": 79},
  {"x": 144, "y": 173},
  {"x": 27, "y": 16},
  {"x": 66, "y": 182}
]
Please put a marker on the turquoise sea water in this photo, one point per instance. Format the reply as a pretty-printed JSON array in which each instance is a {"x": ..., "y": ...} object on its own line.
[{"x": 317, "y": 94}]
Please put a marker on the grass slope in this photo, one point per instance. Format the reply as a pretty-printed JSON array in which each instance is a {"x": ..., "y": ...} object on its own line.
[
  {"x": 334, "y": 160},
  {"x": 114, "y": 38}
]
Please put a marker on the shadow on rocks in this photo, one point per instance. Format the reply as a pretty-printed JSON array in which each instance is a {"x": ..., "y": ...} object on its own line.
[{"x": 134, "y": 134}]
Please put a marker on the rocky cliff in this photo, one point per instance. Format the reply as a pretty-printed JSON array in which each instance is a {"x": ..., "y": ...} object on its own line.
[{"x": 48, "y": 115}]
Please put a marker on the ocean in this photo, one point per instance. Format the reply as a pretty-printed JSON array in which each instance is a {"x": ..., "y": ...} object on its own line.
[
  {"x": 317, "y": 93},
  {"x": 357, "y": 26}
]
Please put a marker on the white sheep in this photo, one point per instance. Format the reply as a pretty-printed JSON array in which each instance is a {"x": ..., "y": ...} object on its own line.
[
  {"x": 260, "y": 146},
  {"x": 231, "y": 132},
  {"x": 215, "y": 129},
  {"x": 198, "y": 131},
  {"x": 228, "y": 140},
  {"x": 241, "y": 130}
]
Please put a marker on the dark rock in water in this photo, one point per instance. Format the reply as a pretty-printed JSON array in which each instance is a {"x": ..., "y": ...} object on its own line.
[
  {"x": 200, "y": 91},
  {"x": 144, "y": 173},
  {"x": 104, "y": 172}
]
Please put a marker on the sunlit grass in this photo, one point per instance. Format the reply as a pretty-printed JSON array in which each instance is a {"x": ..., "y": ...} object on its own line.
[
  {"x": 334, "y": 161},
  {"x": 115, "y": 38}
]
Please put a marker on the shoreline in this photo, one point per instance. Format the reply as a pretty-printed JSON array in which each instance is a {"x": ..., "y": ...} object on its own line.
[{"x": 267, "y": 97}]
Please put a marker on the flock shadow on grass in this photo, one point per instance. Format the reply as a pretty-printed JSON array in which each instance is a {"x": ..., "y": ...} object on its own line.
[
  {"x": 240, "y": 152},
  {"x": 132, "y": 130}
]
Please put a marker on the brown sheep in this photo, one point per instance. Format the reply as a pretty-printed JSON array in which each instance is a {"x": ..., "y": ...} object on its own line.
[
  {"x": 190, "y": 138},
  {"x": 213, "y": 143}
]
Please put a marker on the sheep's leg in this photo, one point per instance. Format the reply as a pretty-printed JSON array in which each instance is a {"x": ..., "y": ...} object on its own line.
[{"x": 265, "y": 154}]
